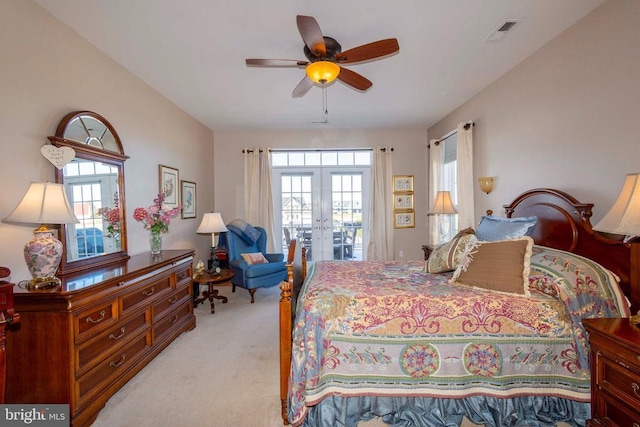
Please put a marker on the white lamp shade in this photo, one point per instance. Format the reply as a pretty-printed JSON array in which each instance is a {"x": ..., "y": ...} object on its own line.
[
  {"x": 624, "y": 216},
  {"x": 443, "y": 204},
  {"x": 44, "y": 203},
  {"x": 211, "y": 223}
]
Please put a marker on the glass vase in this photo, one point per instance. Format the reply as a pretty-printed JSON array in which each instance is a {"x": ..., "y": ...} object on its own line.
[{"x": 155, "y": 241}]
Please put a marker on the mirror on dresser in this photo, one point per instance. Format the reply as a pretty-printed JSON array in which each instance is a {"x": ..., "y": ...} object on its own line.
[{"x": 94, "y": 181}]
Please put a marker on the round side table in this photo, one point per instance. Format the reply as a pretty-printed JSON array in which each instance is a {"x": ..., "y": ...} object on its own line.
[{"x": 211, "y": 279}]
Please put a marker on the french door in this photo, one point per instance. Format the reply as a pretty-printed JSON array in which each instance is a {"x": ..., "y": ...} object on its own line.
[{"x": 325, "y": 208}]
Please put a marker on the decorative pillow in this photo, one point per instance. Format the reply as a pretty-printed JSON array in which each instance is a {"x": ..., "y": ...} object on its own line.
[
  {"x": 501, "y": 266},
  {"x": 493, "y": 228},
  {"x": 246, "y": 231},
  {"x": 254, "y": 258},
  {"x": 446, "y": 257}
]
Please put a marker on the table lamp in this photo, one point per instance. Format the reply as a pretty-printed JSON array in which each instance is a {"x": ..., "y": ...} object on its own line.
[
  {"x": 44, "y": 203},
  {"x": 212, "y": 223},
  {"x": 624, "y": 218},
  {"x": 443, "y": 205}
]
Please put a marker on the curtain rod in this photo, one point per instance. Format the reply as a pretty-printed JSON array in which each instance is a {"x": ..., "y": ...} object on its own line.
[
  {"x": 313, "y": 150},
  {"x": 466, "y": 126}
]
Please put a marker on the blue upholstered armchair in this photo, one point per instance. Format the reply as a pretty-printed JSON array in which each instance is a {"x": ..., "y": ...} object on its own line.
[{"x": 252, "y": 276}]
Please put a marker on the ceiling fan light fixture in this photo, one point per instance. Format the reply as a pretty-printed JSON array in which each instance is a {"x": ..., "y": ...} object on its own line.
[{"x": 323, "y": 71}]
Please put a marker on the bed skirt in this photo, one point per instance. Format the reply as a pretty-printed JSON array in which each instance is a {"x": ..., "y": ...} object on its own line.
[{"x": 529, "y": 411}]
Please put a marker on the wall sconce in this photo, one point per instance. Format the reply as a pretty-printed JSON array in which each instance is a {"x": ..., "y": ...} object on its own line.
[{"x": 486, "y": 184}]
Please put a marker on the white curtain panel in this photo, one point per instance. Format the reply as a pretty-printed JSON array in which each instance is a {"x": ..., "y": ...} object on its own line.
[
  {"x": 466, "y": 208},
  {"x": 258, "y": 197},
  {"x": 435, "y": 170},
  {"x": 380, "y": 246}
]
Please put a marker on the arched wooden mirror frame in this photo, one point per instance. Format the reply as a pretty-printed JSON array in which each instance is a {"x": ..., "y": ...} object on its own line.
[{"x": 92, "y": 149}]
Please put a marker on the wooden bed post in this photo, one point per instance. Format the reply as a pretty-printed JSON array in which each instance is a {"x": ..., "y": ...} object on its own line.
[
  {"x": 286, "y": 288},
  {"x": 289, "y": 289}
]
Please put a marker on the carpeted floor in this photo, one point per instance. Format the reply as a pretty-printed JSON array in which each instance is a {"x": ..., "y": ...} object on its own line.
[{"x": 223, "y": 373}]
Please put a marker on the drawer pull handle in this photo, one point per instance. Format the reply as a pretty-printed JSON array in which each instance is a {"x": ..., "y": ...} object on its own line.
[
  {"x": 119, "y": 362},
  {"x": 174, "y": 319},
  {"x": 121, "y": 283},
  {"x": 182, "y": 275},
  {"x": 172, "y": 300},
  {"x": 635, "y": 389},
  {"x": 100, "y": 319},
  {"x": 149, "y": 292},
  {"x": 113, "y": 337}
]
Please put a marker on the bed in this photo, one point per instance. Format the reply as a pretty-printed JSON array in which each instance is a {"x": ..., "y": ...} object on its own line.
[{"x": 387, "y": 340}]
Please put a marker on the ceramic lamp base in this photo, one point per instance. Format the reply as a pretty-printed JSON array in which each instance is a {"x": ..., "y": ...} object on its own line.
[{"x": 43, "y": 255}]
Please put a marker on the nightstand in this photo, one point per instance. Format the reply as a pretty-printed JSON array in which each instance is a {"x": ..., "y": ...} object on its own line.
[{"x": 615, "y": 372}]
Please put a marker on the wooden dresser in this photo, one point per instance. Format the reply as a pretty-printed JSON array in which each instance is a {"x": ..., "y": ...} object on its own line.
[
  {"x": 81, "y": 343},
  {"x": 615, "y": 372},
  {"x": 7, "y": 317}
]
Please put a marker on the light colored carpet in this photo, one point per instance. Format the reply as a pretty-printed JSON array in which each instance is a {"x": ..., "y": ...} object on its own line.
[{"x": 223, "y": 373}]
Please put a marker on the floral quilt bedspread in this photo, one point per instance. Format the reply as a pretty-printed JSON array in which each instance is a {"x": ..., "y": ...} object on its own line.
[{"x": 390, "y": 329}]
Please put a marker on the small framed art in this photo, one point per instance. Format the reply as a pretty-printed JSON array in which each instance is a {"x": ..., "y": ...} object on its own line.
[
  {"x": 169, "y": 181},
  {"x": 188, "y": 192},
  {"x": 404, "y": 219},
  {"x": 402, "y": 183},
  {"x": 402, "y": 202}
]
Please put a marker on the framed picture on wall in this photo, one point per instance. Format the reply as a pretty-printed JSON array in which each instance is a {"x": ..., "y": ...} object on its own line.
[
  {"x": 188, "y": 192},
  {"x": 402, "y": 202},
  {"x": 402, "y": 183},
  {"x": 404, "y": 219},
  {"x": 169, "y": 181}
]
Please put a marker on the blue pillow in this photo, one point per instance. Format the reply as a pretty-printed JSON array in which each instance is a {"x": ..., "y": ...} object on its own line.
[
  {"x": 246, "y": 231},
  {"x": 493, "y": 228}
]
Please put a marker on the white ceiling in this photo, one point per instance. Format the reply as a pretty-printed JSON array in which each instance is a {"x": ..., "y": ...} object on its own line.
[{"x": 193, "y": 52}]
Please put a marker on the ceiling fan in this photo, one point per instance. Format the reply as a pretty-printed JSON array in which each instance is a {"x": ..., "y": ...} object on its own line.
[{"x": 325, "y": 58}]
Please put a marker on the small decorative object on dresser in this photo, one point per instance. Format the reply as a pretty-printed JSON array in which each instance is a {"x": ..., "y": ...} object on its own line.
[{"x": 615, "y": 372}]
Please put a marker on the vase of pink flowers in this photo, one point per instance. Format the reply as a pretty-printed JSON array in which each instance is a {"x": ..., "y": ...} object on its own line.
[
  {"x": 112, "y": 217},
  {"x": 156, "y": 219}
]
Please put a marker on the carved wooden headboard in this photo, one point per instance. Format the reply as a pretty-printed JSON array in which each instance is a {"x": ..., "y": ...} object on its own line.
[{"x": 564, "y": 223}]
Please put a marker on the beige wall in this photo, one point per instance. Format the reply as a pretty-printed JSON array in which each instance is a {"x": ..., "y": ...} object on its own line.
[
  {"x": 563, "y": 118},
  {"x": 47, "y": 71},
  {"x": 409, "y": 158}
]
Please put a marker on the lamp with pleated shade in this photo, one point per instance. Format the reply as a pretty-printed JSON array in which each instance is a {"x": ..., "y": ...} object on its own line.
[
  {"x": 624, "y": 218},
  {"x": 44, "y": 203},
  {"x": 443, "y": 204},
  {"x": 212, "y": 223}
]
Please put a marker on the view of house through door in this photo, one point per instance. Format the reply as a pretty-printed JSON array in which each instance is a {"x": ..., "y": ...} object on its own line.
[{"x": 324, "y": 207}]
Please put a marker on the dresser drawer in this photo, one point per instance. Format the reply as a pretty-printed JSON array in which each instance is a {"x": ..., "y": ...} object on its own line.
[
  {"x": 168, "y": 324},
  {"x": 170, "y": 302},
  {"x": 110, "y": 369},
  {"x": 89, "y": 353},
  {"x": 88, "y": 322},
  {"x": 183, "y": 274},
  {"x": 145, "y": 292},
  {"x": 621, "y": 415},
  {"x": 619, "y": 380}
]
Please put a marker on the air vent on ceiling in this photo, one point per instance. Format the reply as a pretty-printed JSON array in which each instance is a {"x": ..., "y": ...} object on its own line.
[{"x": 502, "y": 30}]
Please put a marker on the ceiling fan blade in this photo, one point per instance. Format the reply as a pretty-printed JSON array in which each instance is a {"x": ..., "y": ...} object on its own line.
[
  {"x": 311, "y": 34},
  {"x": 354, "y": 79},
  {"x": 303, "y": 87},
  {"x": 368, "y": 51},
  {"x": 255, "y": 62}
]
